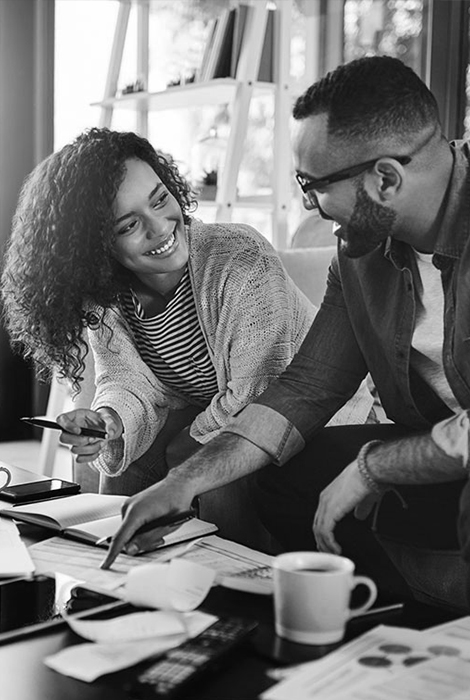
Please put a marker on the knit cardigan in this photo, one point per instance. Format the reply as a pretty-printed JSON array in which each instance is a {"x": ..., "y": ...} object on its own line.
[{"x": 253, "y": 318}]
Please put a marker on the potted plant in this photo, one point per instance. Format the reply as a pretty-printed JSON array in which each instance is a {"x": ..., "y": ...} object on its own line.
[{"x": 208, "y": 185}]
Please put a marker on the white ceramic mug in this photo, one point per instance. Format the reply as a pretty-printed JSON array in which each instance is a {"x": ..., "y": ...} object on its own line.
[{"x": 312, "y": 592}]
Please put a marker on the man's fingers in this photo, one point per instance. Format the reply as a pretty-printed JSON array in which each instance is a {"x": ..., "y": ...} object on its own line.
[
  {"x": 113, "y": 551},
  {"x": 150, "y": 540},
  {"x": 363, "y": 509},
  {"x": 130, "y": 524},
  {"x": 323, "y": 530},
  {"x": 119, "y": 541},
  {"x": 144, "y": 543}
]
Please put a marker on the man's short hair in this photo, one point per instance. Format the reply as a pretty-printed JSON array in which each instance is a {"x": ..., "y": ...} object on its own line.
[{"x": 370, "y": 98}]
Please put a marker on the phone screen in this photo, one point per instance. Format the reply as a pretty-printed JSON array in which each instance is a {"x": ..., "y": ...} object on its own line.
[{"x": 39, "y": 490}]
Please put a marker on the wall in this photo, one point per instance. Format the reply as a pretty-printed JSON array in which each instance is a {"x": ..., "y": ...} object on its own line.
[{"x": 26, "y": 76}]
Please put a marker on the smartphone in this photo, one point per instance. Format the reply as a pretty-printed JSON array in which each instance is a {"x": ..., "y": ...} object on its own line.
[{"x": 38, "y": 491}]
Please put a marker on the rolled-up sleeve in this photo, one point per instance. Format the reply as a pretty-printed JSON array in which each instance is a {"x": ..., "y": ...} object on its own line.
[
  {"x": 452, "y": 436},
  {"x": 269, "y": 430}
]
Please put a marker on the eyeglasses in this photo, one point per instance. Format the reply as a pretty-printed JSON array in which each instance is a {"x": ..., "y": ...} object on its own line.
[{"x": 307, "y": 184}]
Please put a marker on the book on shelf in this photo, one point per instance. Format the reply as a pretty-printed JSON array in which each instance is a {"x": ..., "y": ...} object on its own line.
[
  {"x": 241, "y": 13},
  {"x": 90, "y": 517},
  {"x": 266, "y": 66},
  {"x": 216, "y": 40},
  {"x": 202, "y": 72},
  {"x": 223, "y": 62}
]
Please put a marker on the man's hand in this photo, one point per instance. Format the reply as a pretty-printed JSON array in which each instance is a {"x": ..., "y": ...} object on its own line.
[
  {"x": 346, "y": 493},
  {"x": 158, "y": 500},
  {"x": 88, "y": 448}
]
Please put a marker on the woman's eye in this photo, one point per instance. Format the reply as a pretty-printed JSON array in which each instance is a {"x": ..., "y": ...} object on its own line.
[
  {"x": 161, "y": 199},
  {"x": 130, "y": 226}
]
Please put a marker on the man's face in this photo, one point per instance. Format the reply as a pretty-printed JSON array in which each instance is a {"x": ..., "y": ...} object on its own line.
[
  {"x": 364, "y": 223},
  {"x": 370, "y": 224}
]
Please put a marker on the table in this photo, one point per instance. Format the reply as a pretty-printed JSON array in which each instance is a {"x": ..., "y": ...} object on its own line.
[
  {"x": 24, "y": 676},
  {"x": 243, "y": 676}
]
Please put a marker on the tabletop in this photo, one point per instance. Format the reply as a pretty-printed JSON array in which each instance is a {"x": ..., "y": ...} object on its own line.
[{"x": 243, "y": 674}]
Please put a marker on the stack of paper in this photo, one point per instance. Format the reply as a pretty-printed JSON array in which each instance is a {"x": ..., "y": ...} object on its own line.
[
  {"x": 14, "y": 556},
  {"x": 386, "y": 663}
]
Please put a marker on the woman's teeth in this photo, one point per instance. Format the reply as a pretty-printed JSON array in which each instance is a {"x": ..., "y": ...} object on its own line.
[{"x": 158, "y": 251}]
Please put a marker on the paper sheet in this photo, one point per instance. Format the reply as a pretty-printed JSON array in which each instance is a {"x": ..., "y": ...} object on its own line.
[
  {"x": 82, "y": 561},
  {"x": 177, "y": 585},
  {"x": 436, "y": 679},
  {"x": 376, "y": 658},
  {"x": 459, "y": 628},
  {"x": 128, "y": 628},
  {"x": 225, "y": 557},
  {"x": 90, "y": 661},
  {"x": 15, "y": 559}
]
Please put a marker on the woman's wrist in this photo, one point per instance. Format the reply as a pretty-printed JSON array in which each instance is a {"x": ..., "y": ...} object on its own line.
[{"x": 113, "y": 422}]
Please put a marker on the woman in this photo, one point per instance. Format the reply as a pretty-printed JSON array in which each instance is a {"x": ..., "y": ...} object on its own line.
[{"x": 187, "y": 322}]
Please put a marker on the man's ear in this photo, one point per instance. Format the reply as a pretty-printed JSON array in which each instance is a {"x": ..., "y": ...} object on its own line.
[{"x": 386, "y": 179}]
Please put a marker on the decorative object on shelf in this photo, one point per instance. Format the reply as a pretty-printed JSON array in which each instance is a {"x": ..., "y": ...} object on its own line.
[
  {"x": 182, "y": 80},
  {"x": 137, "y": 86},
  {"x": 207, "y": 187},
  {"x": 207, "y": 157}
]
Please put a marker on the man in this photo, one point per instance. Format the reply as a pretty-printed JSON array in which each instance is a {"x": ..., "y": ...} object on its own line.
[{"x": 370, "y": 155}]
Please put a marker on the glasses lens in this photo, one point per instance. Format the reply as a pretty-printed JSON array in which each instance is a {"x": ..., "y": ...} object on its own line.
[{"x": 311, "y": 198}]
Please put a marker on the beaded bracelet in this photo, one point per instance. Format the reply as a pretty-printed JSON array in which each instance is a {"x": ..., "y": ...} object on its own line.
[{"x": 363, "y": 469}]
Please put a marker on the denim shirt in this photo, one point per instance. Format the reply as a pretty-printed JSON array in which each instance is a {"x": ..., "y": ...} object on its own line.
[{"x": 365, "y": 324}]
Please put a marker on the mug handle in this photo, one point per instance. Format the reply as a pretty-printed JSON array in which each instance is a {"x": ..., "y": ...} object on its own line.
[
  {"x": 357, "y": 580},
  {"x": 5, "y": 474}
]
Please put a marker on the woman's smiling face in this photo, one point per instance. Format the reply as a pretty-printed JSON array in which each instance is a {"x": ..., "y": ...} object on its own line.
[{"x": 150, "y": 238}]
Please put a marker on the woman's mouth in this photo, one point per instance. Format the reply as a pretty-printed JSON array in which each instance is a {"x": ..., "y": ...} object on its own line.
[{"x": 169, "y": 243}]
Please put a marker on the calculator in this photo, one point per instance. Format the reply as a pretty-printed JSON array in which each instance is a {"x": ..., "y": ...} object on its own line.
[{"x": 258, "y": 579}]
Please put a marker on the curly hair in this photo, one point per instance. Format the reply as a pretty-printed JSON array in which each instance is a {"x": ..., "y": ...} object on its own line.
[
  {"x": 59, "y": 262},
  {"x": 371, "y": 98}
]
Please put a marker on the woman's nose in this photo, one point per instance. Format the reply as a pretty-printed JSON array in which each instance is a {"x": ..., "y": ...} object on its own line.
[{"x": 157, "y": 227}]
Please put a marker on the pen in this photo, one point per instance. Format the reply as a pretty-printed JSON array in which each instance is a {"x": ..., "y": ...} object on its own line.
[
  {"x": 44, "y": 423},
  {"x": 164, "y": 521},
  {"x": 394, "y": 607}
]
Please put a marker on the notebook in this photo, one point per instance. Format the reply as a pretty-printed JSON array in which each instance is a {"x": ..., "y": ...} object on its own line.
[{"x": 90, "y": 517}]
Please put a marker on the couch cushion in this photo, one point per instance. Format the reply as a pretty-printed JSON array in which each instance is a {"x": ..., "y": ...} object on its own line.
[{"x": 308, "y": 267}]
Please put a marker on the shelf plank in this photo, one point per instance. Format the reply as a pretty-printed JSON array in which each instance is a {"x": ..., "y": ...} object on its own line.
[
  {"x": 217, "y": 91},
  {"x": 262, "y": 201}
]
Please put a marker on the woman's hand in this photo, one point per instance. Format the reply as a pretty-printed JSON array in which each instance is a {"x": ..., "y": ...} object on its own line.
[
  {"x": 346, "y": 493},
  {"x": 161, "y": 499},
  {"x": 88, "y": 448}
]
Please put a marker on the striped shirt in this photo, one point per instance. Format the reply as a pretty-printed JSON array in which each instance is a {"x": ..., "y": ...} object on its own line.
[{"x": 172, "y": 343}]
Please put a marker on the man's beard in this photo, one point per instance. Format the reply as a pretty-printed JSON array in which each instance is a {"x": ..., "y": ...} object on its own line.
[{"x": 370, "y": 225}]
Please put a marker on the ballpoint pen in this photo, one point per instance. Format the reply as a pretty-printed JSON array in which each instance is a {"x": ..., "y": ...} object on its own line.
[
  {"x": 164, "y": 521},
  {"x": 45, "y": 423}
]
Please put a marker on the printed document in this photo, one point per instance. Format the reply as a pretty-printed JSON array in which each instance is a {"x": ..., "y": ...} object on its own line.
[
  {"x": 386, "y": 663},
  {"x": 82, "y": 562}
]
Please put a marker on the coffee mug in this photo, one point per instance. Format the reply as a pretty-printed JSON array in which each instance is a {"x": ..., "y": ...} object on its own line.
[{"x": 312, "y": 592}]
